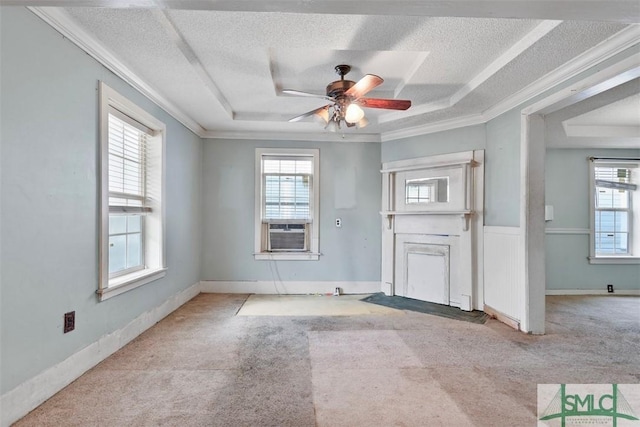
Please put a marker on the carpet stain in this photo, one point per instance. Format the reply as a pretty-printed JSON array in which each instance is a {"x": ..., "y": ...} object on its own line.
[{"x": 402, "y": 303}]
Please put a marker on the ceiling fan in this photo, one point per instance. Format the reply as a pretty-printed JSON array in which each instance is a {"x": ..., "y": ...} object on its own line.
[{"x": 346, "y": 98}]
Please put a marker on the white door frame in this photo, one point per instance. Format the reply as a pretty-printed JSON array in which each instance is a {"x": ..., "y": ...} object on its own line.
[{"x": 532, "y": 162}]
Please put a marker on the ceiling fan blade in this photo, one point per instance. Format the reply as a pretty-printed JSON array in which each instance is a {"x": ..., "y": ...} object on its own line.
[
  {"x": 388, "y": 104},
  {"x": 309, "y": 113},
  {"x": 307, "y": 94},
  {"x": 364, "y": 85}
]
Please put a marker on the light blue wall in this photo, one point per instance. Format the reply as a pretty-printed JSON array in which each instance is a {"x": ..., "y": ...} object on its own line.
[
  {"x": 451, "y": 141},
  {"x": 49, "y": 193},
  {"x": 350, "y": 188},
  {"x": 500, "y": 138},
  {"x": 502, "y": 171},
  {"x": 567, "y": 189},
  {"x": 49, "y": 219},
  {"x": 502, "y": 155}
]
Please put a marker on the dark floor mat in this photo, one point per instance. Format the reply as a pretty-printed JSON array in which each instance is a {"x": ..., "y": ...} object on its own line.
[{"x": 402, "y": 303}]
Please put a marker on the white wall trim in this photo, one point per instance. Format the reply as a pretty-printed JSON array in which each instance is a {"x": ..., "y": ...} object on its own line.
[
  {"x": 624, "y": 11},
  {"x": 65, "y": 25},
  {"x": 293, "y": 136},
  {"x": 624, "y": 39},
  {"x": 441, "y": 126},
  {"x": 270, "y": 287},
  {"x": 605, "y": 50},
  {"x": 191, "y": 57},
  {"x": 437, "y": 161},
  {"x": 529, "y": 39},
  {"x": 617, "y": 292},
  {"x": 21, "y": 400},
  {"x": 559, "y": 230},
  {"x": 532, "y": 223},
  {"x": 601, "y": 52},
  {"x": 600, "y": 81}
]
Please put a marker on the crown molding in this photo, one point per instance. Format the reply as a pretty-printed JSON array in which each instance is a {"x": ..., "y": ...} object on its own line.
[
  {"x": 416, "y": 110},
  {"x": 517, "y": 49},
  {"x": 600, "y": 81},
  {"x": 65, "y": 25},
  {"x": 294, "y": 136},
  {"x": 625, "y": 11},
  {"x": 528, "y": 40},
  {"x": 615, "y": 44},
  {"x": 624, "y": 39},
  {"x": 192, "y": 58},
  {"x": 455, "y": 123}
]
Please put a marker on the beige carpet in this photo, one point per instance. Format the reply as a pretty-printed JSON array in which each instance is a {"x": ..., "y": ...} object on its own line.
[
  {"x": 311, "y": 305},
  {"x": 205, "y": 366}
]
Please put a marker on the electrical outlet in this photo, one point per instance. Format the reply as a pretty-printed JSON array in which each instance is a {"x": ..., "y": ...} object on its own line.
[
  {"x": 69, "y": 321},
  {"x": 610, "y": 289},
  {"x": 338, "y": 222}
]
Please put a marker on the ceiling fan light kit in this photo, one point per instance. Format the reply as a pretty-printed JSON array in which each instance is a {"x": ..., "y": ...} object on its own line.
[
  {"x": 347, "y": 99},
  {"x": 353, "y": 114}
]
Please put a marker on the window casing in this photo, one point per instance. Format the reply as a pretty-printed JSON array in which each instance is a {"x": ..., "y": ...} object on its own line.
[
  {"x": 132, "y": 191},
  {"x": 287, "y": 195},
  {"x": 615, "y": 229}
]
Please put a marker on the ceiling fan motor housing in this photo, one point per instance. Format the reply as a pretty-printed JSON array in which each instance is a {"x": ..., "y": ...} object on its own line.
[{"x": 339, "y": 87}]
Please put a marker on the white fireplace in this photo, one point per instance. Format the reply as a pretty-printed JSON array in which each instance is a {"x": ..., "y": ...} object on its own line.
[{"x": 431, "y": 229}]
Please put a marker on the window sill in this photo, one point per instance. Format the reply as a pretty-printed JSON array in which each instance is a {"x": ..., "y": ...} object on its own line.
[
  {"x": 119, "y": 285},
  {"x": 614, "y": 260},
  {"x": 286, "y": 256}
]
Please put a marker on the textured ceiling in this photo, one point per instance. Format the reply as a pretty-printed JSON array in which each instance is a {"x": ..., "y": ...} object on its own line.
[
  {"x": 225, "y": 70},
  {"x": 625, "y": 112},
  {"x": 610, "y": 119}
]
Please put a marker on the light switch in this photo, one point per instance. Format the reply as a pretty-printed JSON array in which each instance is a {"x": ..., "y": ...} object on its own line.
[{"x": 548, "y": 212}]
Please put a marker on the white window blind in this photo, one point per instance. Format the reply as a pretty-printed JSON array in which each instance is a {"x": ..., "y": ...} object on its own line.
[
  {"x": 287, "y": 185},
  {"x": 127, "y": 164},
  {"x": 127, "y": 193},
  {"x": 612, "y": 209}
]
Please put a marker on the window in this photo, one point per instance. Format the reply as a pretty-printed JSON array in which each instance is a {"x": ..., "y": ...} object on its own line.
[
  {"x": 287, "y": 204},
  {"x": 131, "y": 239},
  {"x": 614, "y": 199}
]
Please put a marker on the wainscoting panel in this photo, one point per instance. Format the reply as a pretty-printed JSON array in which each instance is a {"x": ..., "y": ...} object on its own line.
[{"x": 502, "y": 275}]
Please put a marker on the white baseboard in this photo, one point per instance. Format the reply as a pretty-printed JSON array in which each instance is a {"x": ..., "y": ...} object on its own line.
[
  {"x": 27, "y": 396},
  {"x": 592, "y": 292},
  {"x": 287, "y": 288},
  {"x": 387, "y": 288}
]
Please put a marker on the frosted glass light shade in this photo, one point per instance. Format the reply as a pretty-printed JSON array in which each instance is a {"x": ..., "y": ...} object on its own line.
[
  {"x": 322, "y": 116},
  {"x": 332, "y": 126},
  {"x": 362, "y": 123},
  {"x": 354, "y": 114}
]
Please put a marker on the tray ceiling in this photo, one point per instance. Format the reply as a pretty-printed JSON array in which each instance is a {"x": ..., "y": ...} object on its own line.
[{"x": 223, "y": 71}]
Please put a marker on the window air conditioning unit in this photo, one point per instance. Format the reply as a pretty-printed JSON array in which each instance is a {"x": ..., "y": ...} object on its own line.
[{"x": 287, "y": 237}]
